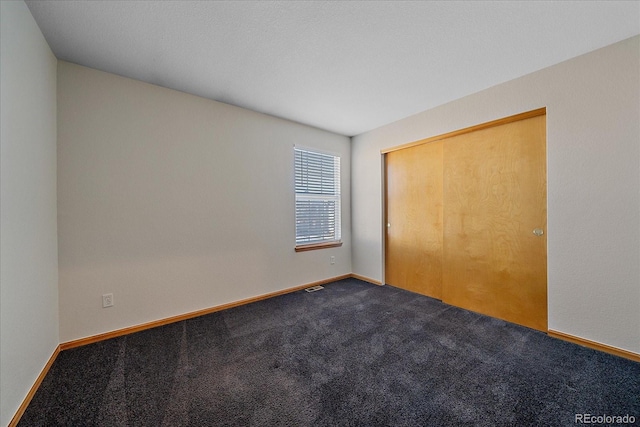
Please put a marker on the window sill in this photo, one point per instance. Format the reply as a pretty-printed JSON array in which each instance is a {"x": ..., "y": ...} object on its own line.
[{"x": 314, "y": 246}]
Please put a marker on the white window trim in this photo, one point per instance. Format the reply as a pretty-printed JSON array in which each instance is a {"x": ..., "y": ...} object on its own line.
[{"x": 323, "y": 241}]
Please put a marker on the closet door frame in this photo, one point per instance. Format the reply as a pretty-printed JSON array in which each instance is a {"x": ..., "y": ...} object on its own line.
[{"x": 385, "y": 152}]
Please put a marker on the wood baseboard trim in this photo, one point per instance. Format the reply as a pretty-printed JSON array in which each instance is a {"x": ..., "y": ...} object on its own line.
[
  {"x": 23, "y": 407},
  {"x": 595, "y": 345},
  {"x": 137, "y": 328},
  {"x": 366, "y": 279},
  {"x": 125, "y": 331}
]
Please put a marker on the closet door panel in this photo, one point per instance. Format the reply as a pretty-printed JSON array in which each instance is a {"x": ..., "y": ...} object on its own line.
[
  {"x": 413, "y": 251},
  {"x": 494, "y": 198}
]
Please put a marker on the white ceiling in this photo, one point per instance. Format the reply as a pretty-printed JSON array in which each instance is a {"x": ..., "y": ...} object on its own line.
[{"x": 347, "y": 67}]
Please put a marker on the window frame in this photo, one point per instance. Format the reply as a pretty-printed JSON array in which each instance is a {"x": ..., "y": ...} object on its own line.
[{"x": 337, "y": 242}]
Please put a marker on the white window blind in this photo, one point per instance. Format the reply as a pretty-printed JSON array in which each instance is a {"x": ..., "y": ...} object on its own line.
[{"x": 317, "y": 187}]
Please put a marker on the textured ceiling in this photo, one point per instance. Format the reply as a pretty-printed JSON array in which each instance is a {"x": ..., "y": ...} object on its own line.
[{"x": 347, "y": 67}]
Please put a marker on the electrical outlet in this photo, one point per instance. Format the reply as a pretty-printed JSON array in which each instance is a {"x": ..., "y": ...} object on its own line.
[
  {"x": 107, "y": 300},
  {"x": 332, "y": 260}
]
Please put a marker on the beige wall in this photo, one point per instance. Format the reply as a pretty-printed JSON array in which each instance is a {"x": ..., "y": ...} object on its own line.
[
  {"x": 593, "y": 138},
  {"x": 28, "y": 240},
  {"x": 175, "y": 203}
]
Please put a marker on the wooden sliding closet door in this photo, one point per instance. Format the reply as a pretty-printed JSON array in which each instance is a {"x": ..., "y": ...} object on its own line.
[
  {"x": 413, "y": 258},
  {"x": 495, "y": 210}
]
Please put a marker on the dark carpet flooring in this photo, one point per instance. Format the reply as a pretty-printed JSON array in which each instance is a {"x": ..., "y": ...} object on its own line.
[{"x": 352, "y": 354}]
